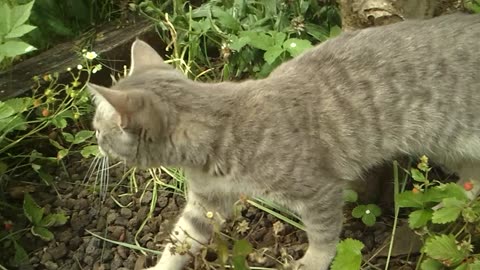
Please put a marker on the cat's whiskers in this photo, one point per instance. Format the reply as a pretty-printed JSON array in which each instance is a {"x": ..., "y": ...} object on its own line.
[
  {"x": 99, "y": 170},
  {"x": 91, "y": 168}
]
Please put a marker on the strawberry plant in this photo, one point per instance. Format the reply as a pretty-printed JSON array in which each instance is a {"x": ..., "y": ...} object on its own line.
[
  {"x": 447, "y": 219},
  {"x": 13, "y": 27}
]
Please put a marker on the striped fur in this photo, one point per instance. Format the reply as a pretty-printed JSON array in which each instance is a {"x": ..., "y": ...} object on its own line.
[{"x": 300, "y": 135}]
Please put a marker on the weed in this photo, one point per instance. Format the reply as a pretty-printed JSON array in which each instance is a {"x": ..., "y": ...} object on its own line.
[{"x": 13, "y": 27}]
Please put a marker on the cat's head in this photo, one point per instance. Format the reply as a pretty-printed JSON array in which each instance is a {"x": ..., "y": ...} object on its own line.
[{"x": 131, "y": 118}]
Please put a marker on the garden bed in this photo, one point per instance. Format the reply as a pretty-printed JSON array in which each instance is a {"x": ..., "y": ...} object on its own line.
[{"x": 119, "y": 217}]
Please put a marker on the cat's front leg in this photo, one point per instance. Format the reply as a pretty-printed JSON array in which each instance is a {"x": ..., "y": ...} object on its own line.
[
  {"x": 193, "y": 229},
  {"x": 322, "y": 216}
]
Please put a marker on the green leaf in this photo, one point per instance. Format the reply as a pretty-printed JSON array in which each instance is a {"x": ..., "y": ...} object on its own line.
[
  {"x": 451, "y": 210},
  {"x": 237, "y": 43},
  {"x": 369, "y": 219},
  {"x": 82, "y": 136},
  {"x": 53, "y": 220},
  {"x": 59, "y": 122},
  {"x": 19, "y": 104},
  {"x": 62, "y": 153},
  {"x": 21, "y": 255},
  {"x": 417, "y": 175},
  {"x": 259, "y": 40},
  {"x": 5, "y": 24},
  {"x": 444, "y": 248},
  {"x": 5, "y": 110},
  {"x": 56, "y": 144},
  {"x": 278, "y": 37},
  {"x": 374, "y": 209},
  {"x": 317, "y": 31},
  {"x": 419, "y": 218},
  {"x": 349, "y": 255},
  {"x": 272, "y": 54},
  {"x": 225, "y": 19},
  {"x": 20, "y": 31},
  {"x": 222, "y": 250},
  {"x": 410, "y": 199},
  {"x": 21, "y": 13},
  {"x": 68, "y": 137},
  {"x": 431, "y": 264},
  {"x": 241, "y": 248},
  {"x": 359, "y": 211},
  {"x": 32, "y": 211},
  {"x": 450, "y": 190},
  {"x": 349, "y": 195},
  {"x": 46, "y": 177},
  {"x": 12, "y": 48},
  {"x": 42, "y": 232},
  {"x": 335, "y": 31},
  {"x": 296, "y": 46},
  {"x": 3, "y": 167},
  {"x": 90, "y": 150}
]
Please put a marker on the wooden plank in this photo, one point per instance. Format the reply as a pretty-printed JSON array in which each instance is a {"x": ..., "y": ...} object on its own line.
[{"x": 19, "y": 79}]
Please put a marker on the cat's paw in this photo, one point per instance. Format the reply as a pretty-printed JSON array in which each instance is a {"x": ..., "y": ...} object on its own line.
[{"x": 296, "y": 265}]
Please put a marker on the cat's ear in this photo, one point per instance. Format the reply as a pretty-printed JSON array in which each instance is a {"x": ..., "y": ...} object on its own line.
[
  {"x": 143, "y": 55},
  {"x": 125, "y": 103}
]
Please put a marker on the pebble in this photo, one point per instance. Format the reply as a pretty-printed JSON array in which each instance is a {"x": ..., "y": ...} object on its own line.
[
  {"x": 126, "y": 212},
  {"x": 81, "y": 204},
  {"x": 74, "y": 243},
  {"x": 111, "y": 217},
  {"x": 59, "y": 251},
  {"x": 145, "y": 238},
  {"x": 79, "y": 222},
  {"x": 129, "y": 263},
  {"x": 117, "y": 232},
  {"x": 64, "y": 236},
  {"x": 92, "y": 245},
  {"x": 142, "y": 213},
  {"x": 133, "y": 222},
  {"x": 46, "y": 257},
  {"x": 88, "y": 259},
  {"x": 147, "y": 197},
  {"x": 51, "y": 265},
  {"x": 122, "y": 221},
  {"x": 122, "y": 251},
  {"x": 117, "y": 262},
  {"x": 162, "y": 201},
  {"x": 101, "y": 223},
  {"x": 125, "y": 200}
]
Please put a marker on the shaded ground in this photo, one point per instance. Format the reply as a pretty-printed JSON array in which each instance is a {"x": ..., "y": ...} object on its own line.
[{"x": 74, "y": 248}]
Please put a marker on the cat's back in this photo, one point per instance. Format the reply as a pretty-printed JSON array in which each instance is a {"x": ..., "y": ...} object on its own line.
[
  {"x": 413, "y": 42},
  {"x": 370, "y": 94}
]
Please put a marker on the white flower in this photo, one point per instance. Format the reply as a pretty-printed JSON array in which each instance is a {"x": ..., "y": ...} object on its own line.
[
  {"x": 367, "y": 211},
  {"x": 29, "y": 49},
  {"x": 96, "y": 68},
  {"x": 69, "y": 69},
  {"x": 90, "y": 55},
  {"x": 79, "y": 67},
  {"x": 293, "y": 44}
]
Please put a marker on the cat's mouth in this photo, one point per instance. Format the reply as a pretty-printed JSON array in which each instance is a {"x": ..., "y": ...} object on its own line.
[{"x": 131, "y": 162}]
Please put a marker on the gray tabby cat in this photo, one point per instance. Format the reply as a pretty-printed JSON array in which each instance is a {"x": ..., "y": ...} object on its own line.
[{"x": 301, "y": 134}]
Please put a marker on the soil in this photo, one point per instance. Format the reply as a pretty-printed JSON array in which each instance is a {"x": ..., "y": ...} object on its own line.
[{"x": 74, "y": 248}]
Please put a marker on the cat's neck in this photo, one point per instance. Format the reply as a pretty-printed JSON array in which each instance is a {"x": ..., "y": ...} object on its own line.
[{"x": 203, "y": 111}]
